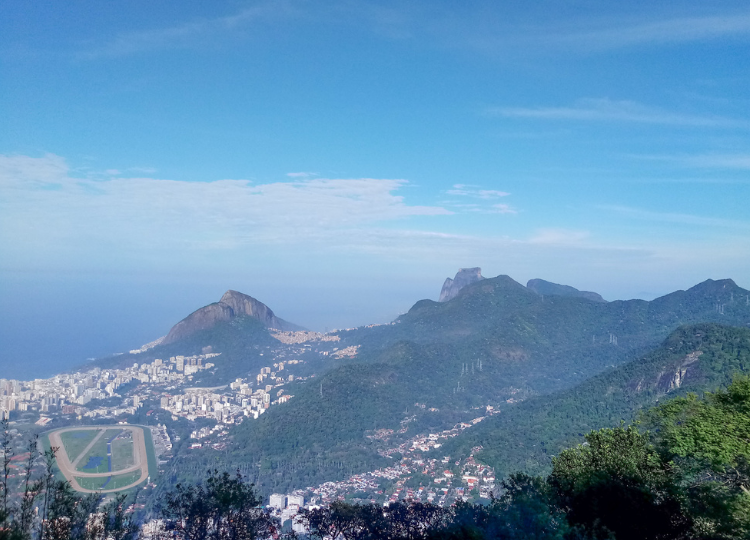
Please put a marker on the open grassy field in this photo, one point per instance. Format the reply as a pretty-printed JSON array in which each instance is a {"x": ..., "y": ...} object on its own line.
[
  {"x": 96, "y": 460},
  {"x": 118, "y": 481},
  {"x": 74, "y": 442},
  {"x": 94, "y": 483},
  {"x": 122, "y": 451}
]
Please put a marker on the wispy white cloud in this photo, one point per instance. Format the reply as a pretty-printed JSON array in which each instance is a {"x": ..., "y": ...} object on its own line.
[
  {"x": 497, "y": 31},
  {"x": 475, "y": 192},
  {"x": 301, "y": 174},
  {"x": 191, "y": 33},
  {"x": 597, "y": 33},
  {"x": 719, "y": 161},
  {"x": 222, "y": 213},
  {"x": 52, "y": 217},
  {"x": 19, "y": 170},
  {"x": 487, "y": 30},
  {"x": 667, "y": 31},
  {"x": 465, "y": 190},
  {"x": 678, "y": 218},
  {"x": 559, "y": 237},
  {"x": 503, "y": 209},
  {"x": 607, "y": 110}
]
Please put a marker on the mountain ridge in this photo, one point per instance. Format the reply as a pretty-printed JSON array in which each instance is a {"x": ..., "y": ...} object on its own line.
[
  {"x": 495, "y": 341},
  {"x": 541, "y": 286}
]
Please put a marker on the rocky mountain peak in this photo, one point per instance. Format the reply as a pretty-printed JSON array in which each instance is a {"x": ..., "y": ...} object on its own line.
[
  {"x": 232, "y": 304},
  {"x": 242, "y": 304},
  {"x": 464, "y": 277}
]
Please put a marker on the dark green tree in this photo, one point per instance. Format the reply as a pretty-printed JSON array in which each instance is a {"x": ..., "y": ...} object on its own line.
[
  {"x": 221, "y": 508},
  {"x": 352, "y": 521},
  {"x": 616, "y": 485},
  {"x": 526, "y": 510},
  {"x": 708, "y": 442},
  {"x": 397, "y": 521}
]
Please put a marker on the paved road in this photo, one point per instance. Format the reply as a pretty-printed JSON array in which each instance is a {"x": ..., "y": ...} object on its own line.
[{"x": 140, "y": 458}]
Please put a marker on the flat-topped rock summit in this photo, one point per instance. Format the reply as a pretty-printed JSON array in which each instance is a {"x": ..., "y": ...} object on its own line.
[{"x": 233, "y": 304}]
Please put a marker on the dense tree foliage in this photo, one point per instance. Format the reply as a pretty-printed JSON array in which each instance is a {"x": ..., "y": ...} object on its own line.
[
  {"x": 617, "y": 484},
  {"x": 221, "y": 508},
  {"x": 707, "y": 441}
]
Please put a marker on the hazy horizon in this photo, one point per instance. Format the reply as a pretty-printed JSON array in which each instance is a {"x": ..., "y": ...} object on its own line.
[{"x": 98, "y": 330}]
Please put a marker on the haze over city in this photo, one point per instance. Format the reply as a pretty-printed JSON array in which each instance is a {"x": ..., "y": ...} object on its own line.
[{"x": 338, "y": 160}]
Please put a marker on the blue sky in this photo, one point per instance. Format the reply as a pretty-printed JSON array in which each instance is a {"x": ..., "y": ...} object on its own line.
[{"x": 339, "y": 159}]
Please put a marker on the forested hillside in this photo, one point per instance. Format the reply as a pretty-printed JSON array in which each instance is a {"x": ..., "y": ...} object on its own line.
[
  {"x": 696, "y": 358},
  {"x": 496, "y": 341}
]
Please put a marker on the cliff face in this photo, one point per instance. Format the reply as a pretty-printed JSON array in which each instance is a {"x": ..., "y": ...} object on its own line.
[
  {"x": 464, "y": 277},
  {"x": 233, "y": 304},
  {"x": 543, "y": 287},
  {"x": 243, "y": 304}
]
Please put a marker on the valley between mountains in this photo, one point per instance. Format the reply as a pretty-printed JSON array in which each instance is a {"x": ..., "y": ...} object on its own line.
[{"x": 496, "y": 377}]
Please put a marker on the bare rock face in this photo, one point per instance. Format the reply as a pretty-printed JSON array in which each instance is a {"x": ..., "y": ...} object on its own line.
[
  {"x": 543, "y": 287},
  {"x": 243, "y": 304},
  {"x": 233, "y": 304},
  {"x": 464, "y": 277},
  {"x": 675, "y": 378}
]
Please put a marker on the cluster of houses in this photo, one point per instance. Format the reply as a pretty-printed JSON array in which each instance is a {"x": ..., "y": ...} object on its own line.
[
  {"x": 241, "y": 400},
  {"x": 416, "y": 475},
  {"x": 71, "y": 393}
]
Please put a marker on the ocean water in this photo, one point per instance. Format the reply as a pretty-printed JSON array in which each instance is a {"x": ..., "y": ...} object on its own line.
[
  {"x": 52, "y": 323},
  {"x": 48, "y": 326}
]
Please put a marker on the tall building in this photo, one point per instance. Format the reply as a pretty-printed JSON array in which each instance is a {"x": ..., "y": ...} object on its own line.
[
  {"x": 296, "y": 500},
  {"x": 278, "y": 501}
]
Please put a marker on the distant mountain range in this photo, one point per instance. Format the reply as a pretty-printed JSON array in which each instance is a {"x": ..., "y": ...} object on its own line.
[
  {"x": 496, "y": 342},
  {"x": 554, "y": 360}
]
